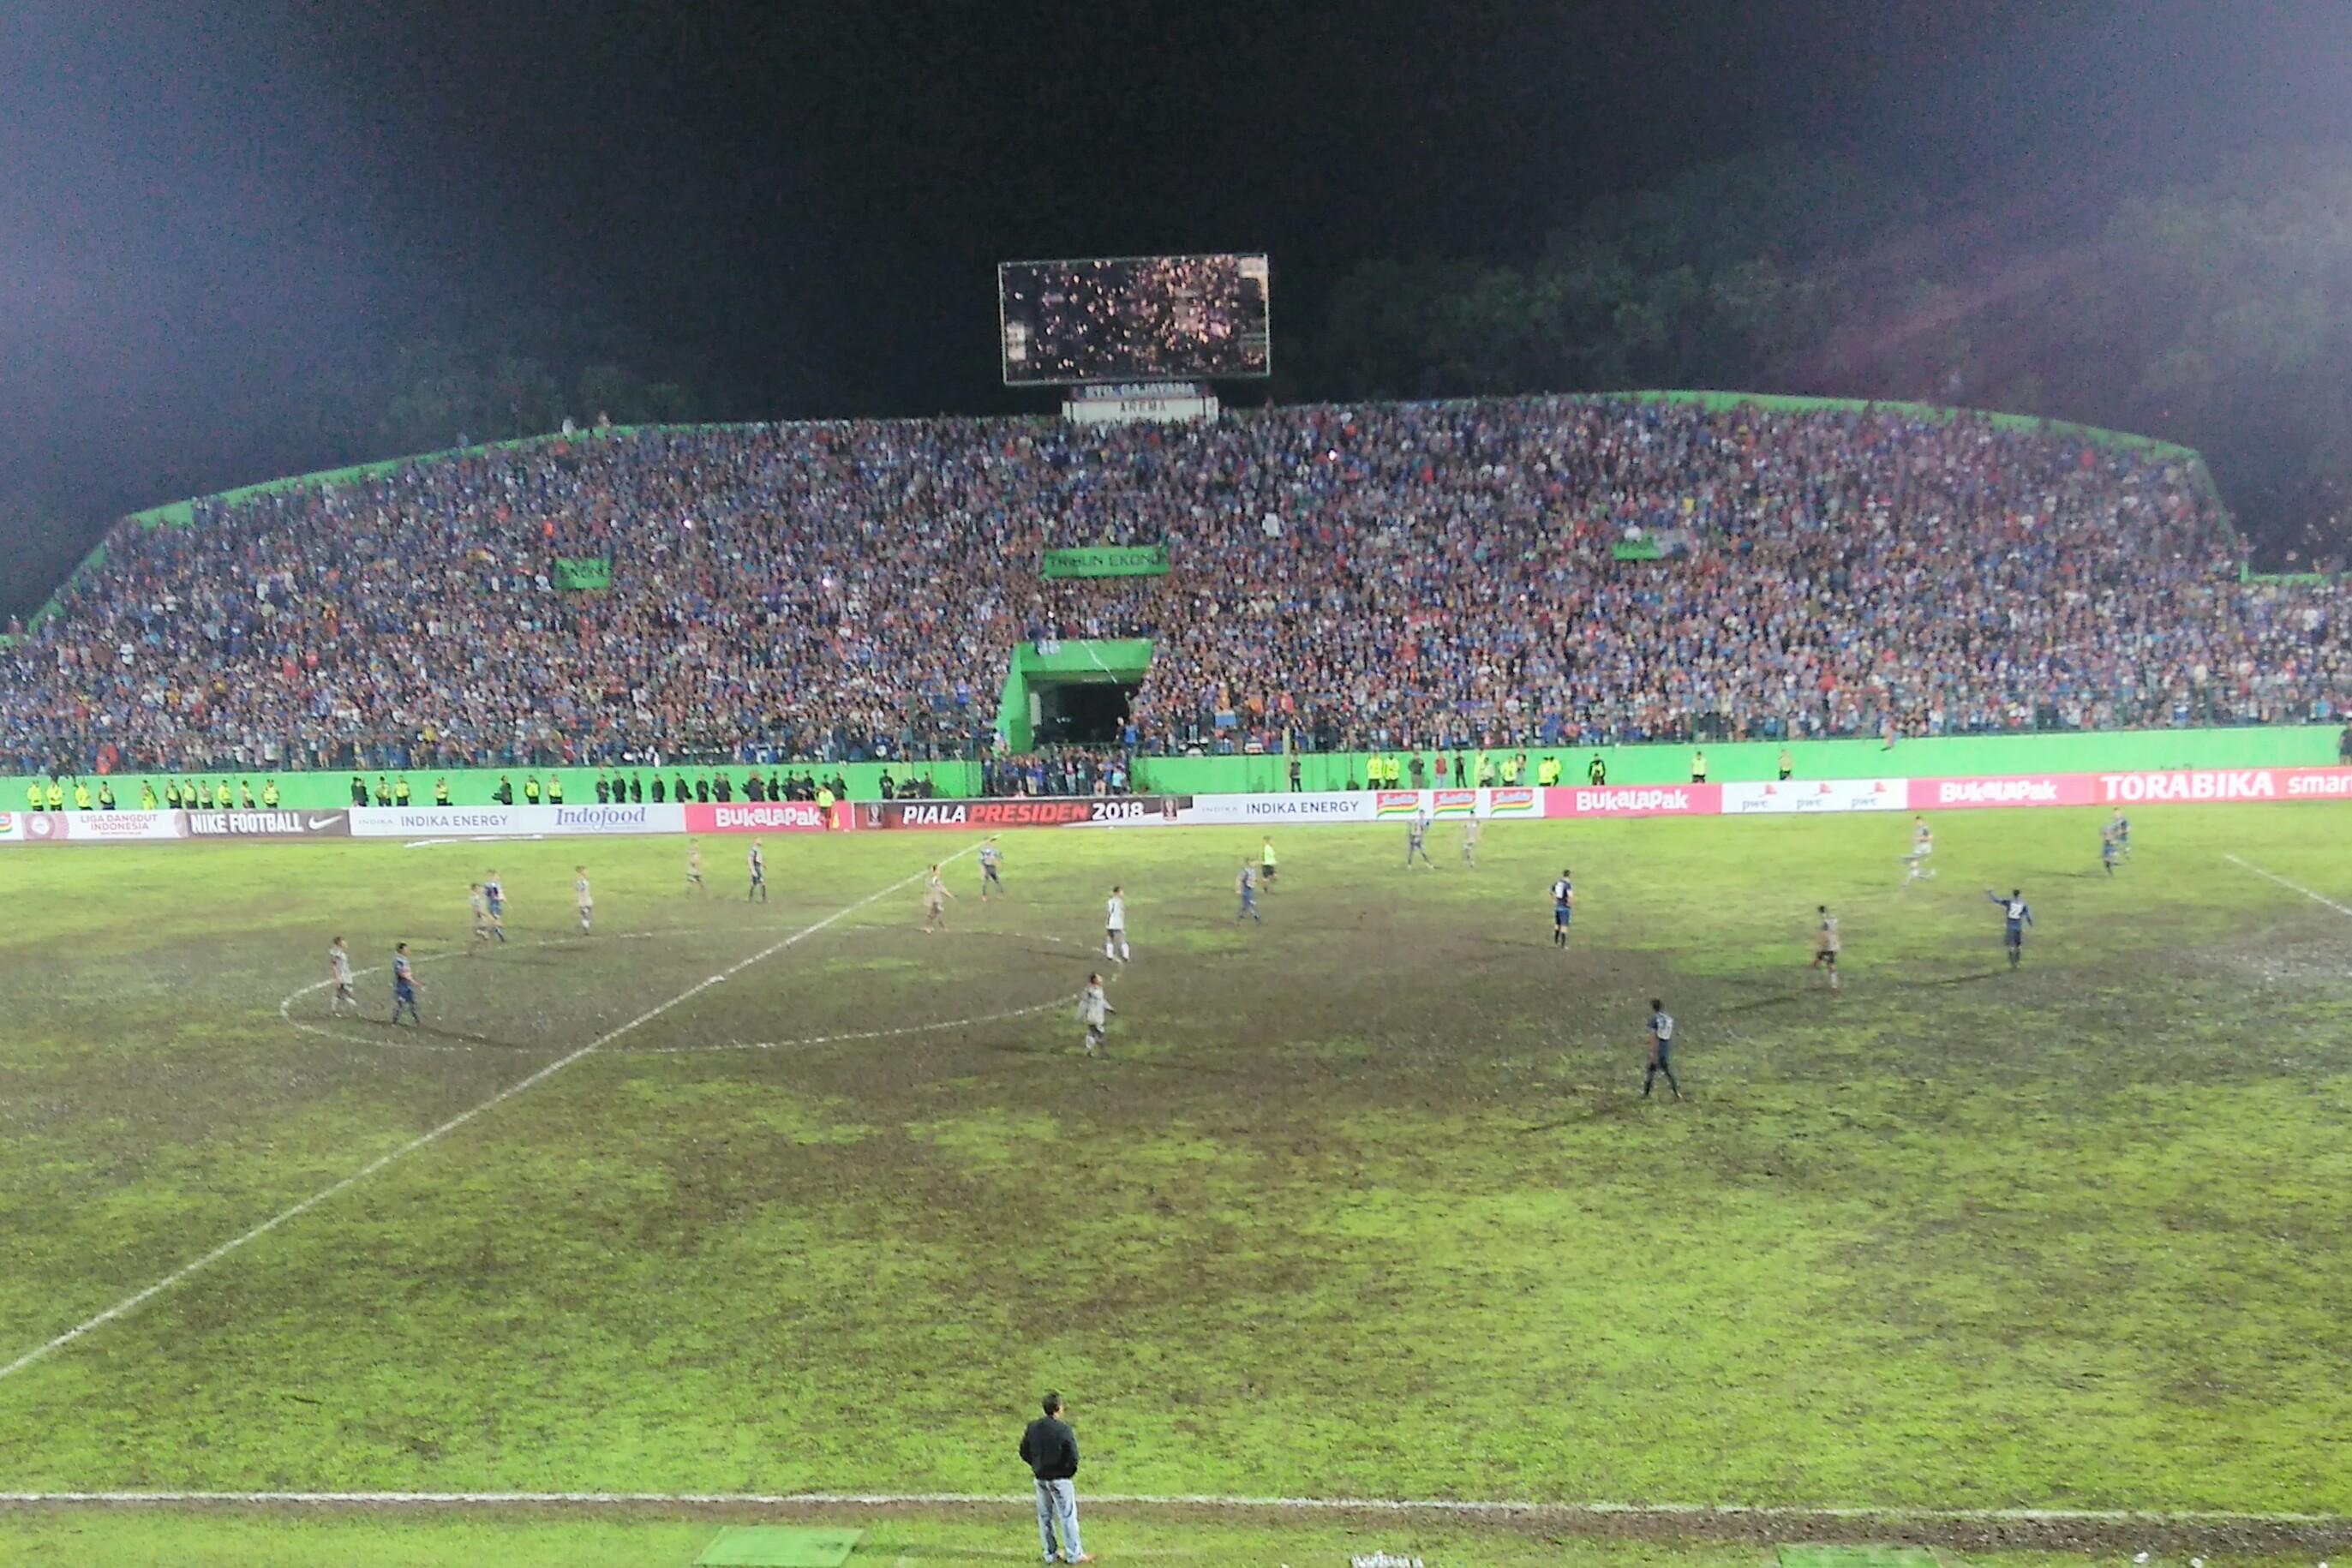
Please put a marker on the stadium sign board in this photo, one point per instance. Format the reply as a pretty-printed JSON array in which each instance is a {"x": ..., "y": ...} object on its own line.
[
  {"x": 268, "y": 824},
  {"x": 1137, "y": 403},
  {"x": 758, "y": 816},
  {"x": 1633, "y": 800},
  {"x": 102, "y": 827},
  {"x": 1361, "y": 806},
  {"x": 1107, "y": 560},
  {"x": 1042, "y": 811},
  {"x": 512, "y": 821},
  {"x": 1989, "y": 793},
  {"x": 1815, "y": 798}
]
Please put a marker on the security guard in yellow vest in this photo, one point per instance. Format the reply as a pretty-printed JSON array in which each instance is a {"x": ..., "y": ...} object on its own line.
[
  {"x": 81, "y": 796},
  {"x": 1548, "y": 773},
  {"x": 270, "y": 794},
  {"x": 57, "y": 795},
  {"x": 33, "y": 796},
  {"x": 1510, "y": 771},
  {"x": 221, "y": 797},
  {"x": 555, "y": 789}
]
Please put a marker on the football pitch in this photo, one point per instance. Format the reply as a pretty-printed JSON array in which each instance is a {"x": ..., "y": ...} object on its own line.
[{"x": 1364, "y": 1202}]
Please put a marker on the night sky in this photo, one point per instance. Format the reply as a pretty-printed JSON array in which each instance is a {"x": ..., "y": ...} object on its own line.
[{"x": 209, "y": 213}]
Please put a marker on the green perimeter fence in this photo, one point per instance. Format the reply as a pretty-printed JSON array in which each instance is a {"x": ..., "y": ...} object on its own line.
[{"x": 2128, "y": 750}]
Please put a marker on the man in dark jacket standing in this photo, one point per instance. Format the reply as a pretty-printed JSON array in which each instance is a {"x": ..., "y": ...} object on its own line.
[{"x": 1050, "y": 1449}]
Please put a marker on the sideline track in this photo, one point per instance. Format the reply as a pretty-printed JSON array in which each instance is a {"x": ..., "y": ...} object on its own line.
[{"x": 131, "y": 1303}]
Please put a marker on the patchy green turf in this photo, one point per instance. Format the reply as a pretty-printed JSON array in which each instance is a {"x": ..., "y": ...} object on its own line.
[{"x": 1363, "y": 1201}]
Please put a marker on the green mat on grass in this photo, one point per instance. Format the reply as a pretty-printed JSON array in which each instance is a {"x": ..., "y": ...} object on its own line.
[
  {"x": 1872, "y": 1556},
  {"x": 778, "y": 1546}
]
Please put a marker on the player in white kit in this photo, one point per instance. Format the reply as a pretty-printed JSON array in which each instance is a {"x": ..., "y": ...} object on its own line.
[
  {"x": 338, "y": 966},
  {"x": 1826, "y": 944},
  {"x": 581, "y": 895},
  {"x": 1115, "y": 926},
  {"x": 1923, "y": 844},
  {"x": 1094, "y": 1012}
]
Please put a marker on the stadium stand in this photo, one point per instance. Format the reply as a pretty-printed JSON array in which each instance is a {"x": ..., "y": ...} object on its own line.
[{"x": 1384, "y": 575}]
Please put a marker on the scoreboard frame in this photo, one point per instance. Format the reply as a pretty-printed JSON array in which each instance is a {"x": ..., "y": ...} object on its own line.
[{"x": 1116, "y": 376}]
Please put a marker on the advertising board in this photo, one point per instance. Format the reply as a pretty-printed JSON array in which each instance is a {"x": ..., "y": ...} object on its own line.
[
  {"x": 268, "y": 824},
  {"x": 513, "y": 821},
  {"x": 2024, "y": 789},
  {"x": 101, "y": 827},
  {"x": 1633, "y": 800},
  {"x": 1815, "y": 797},
  {"x": 1113, "y": 811},
  {"x": 756, "y": 816},
  {"x": 2184, "y": 786},
  {"x": 2218, "y": 785}
]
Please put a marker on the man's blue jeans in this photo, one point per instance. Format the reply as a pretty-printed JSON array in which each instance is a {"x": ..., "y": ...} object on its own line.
[{"x": 1057, "y": 1504}]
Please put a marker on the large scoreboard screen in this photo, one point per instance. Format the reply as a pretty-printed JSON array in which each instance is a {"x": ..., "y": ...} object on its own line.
[{"x": 1133, "y": 318}]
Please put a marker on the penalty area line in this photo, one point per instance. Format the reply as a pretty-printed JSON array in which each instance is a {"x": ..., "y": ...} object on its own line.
[
  {"x": 131, "y": 1303},
  {"x": 2297, "y": 886},
  {"x": 1468, "y": 1508}
]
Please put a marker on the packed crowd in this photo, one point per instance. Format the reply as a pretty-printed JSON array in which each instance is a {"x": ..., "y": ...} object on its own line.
[
  {"x": 1063, "y": 770},
  {"x": 1386, "y": 576}
]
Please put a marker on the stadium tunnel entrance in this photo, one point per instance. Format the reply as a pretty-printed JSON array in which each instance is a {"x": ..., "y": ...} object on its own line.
[
  {"x": 1082, "y": 712},
  {"x": 1072, "y": 692}
]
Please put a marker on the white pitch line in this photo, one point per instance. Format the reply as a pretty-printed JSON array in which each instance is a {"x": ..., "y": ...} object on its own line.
[
  {"x": 1454, "y": 1506},
  {"x": 134, "y": 1302},
  {"x": 286, "y": 1006},
  {"x": 2298, "y": 886},
  {"x": 286, "y": 1003}
]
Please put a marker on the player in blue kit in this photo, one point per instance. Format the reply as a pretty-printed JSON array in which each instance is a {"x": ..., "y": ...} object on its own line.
[
  {"x": 2018, "y": 914},
  {"x": 2120, "y": 825},
  {"x": 403, "y": 986},
  {"x": 1563, "y": 908},
  {"x": 2109, "y": 848},
  {"x": 1662, "y": 1050}
]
